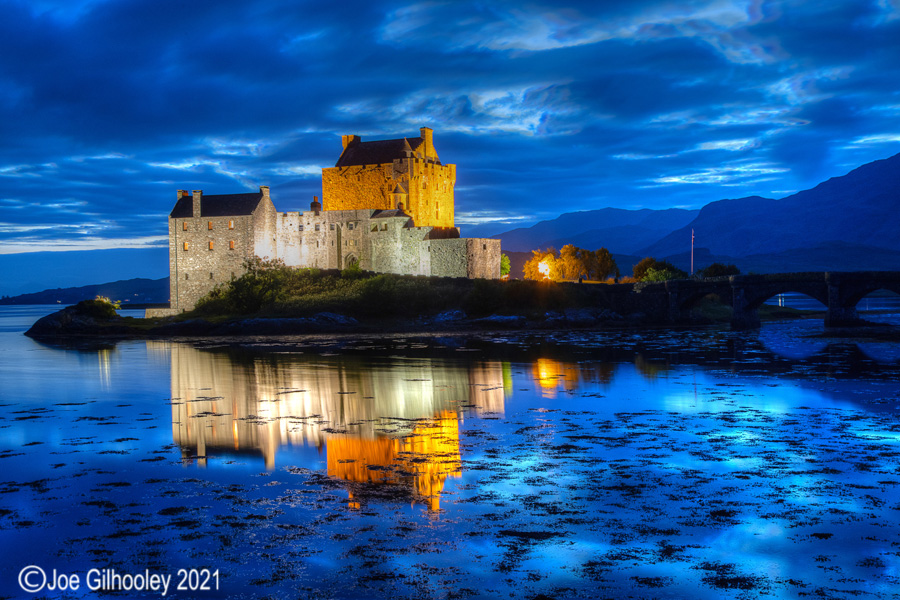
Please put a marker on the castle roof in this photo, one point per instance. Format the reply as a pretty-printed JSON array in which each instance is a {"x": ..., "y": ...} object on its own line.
[
  {"x": 378, "y": 152},
  {"x": 389, "y": 213},
  {"x": 217, "y": 205}
]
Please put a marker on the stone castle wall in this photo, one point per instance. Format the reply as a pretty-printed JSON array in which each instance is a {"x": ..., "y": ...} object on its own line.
[
  {"x": 428, "y": 200},
  {"x": 327, "y": 240}
]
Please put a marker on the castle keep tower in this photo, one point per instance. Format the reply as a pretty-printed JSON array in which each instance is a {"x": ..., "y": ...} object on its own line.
[{"x": 405, "y": 173}]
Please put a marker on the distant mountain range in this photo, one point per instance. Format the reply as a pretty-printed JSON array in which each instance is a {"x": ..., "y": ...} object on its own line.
[
  {"x": 628, "y": 231},
  {"x": 128, "y": 292},
  {"x": 844, "y": 224}
]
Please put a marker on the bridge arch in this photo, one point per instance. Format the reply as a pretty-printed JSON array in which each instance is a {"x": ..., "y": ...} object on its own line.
[
  {"x": 688, "y": 300},
  {"x": 818, "y": 292},
  {"x": 853, "y": 298}
]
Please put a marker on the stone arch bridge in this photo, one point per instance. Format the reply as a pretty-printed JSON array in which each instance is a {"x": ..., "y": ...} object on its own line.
[{"x": 671, "y": 301}]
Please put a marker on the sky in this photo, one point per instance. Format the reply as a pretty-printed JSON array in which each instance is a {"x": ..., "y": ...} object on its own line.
[{"x": 110, "y": 106}]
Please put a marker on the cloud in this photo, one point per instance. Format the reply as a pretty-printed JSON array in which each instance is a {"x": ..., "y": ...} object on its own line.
[
  {"x": 112, "y": 106},
  {"x": 66, "y": 244},
  {"x": 802, "y": 88},
  {"x": 734, "y": 174},
  {"x": 721, "y": 24},
  {"x": 730, "y": 145},
  {"x": 529, "y": 110},
  {"x": 881, "y": 138}
]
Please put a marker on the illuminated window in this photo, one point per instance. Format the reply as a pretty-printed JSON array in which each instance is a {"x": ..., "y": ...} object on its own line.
[
  {"x": 231, "y": 245},
  {"x": 231, "y": 224},
  {"x": 184, "y": 225},
  {"x": 210, "y": 245},
  {"x": 209, "y": 225},
  {"x": 185, "y": 245}
]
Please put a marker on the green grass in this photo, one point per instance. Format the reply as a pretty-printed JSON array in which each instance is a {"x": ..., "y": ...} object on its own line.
[{"x": 274, "y": 290}]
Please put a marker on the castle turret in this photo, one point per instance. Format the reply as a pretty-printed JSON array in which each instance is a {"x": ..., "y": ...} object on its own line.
[
  {"x": 350, "y": 140},
  {"x": 198, "y": 197}
]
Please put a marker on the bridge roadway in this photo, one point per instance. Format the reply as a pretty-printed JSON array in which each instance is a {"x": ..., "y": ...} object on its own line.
[{"x": 671, "y": 301}]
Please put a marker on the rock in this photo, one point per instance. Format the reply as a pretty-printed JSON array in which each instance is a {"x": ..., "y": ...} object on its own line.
[
  {"x": 580, "y": 316},
  {"x": 335, "y": 318},
  {"x": 449, "y": 316},
  {"x": 505, "y": 320},
  {"x": 80, "y": 319}
]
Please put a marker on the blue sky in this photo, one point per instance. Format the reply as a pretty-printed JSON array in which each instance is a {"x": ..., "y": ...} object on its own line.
[{"x": 110, "y": 106}]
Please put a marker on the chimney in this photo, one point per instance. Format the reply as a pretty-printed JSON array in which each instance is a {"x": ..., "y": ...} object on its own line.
[
  {"x": 264, "y": 190},
  {"x": 198, "y": 196},
  {"x": 350, "y": 140},
  {"x": 315, "y": 205},
  {"x": 426, "y": 134}
]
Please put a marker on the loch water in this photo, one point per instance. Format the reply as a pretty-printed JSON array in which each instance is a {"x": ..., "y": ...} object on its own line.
[{"x": 655, "y": 463}]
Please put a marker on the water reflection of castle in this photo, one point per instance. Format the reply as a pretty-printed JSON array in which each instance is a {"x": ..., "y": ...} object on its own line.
[{"x": 378, "y": 421}]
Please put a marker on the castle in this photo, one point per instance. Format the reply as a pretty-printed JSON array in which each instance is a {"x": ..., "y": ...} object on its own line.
[{"x": 387, "y": 206}]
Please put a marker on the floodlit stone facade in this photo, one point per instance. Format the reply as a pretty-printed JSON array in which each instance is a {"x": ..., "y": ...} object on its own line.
[
  {"x": 394, "y": 217},
  {"x": 385, "y": 174}
]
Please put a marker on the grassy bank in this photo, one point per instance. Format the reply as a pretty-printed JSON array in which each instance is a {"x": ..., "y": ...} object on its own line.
[{"x": 279, "y": 291}]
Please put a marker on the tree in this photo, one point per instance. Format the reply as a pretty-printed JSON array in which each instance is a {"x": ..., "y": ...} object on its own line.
[
  {"x": 640, "y": 270},
  {"x": 570, "y": 264},
  {"x": 542, "y": 265},
  {"x": 601, "y": 265},
  {"x": 719, "y": 270},
  {"x": 504, "y": 265},
  {"x": 663, "y": 270}
]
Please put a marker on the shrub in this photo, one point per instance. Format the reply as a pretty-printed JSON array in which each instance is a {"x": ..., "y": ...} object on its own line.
[
  {"x": 719, "y": 270},
  {"x": 100, "y": 307},
  {"x": 650, "y": 269}
]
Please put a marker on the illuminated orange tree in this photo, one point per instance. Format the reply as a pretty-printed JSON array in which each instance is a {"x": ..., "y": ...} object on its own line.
[
  {"x": 571, "y": 263},
  {"x": 542, "y": 265}
]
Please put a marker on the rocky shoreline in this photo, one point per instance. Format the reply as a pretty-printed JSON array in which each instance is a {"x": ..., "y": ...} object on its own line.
[{"x": 77, "y": 321}]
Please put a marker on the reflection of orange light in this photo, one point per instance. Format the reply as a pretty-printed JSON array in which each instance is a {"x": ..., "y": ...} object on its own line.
[
  {"x": 546, "y": 372},
  {"x": 550, "y": 373},
  {"x": 234, "y": 431},
  {"x": 544, "y": 268},
  {"x": 428, "y": 456}
]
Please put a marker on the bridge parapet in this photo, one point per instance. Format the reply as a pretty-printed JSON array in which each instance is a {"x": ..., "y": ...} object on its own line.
[{"x": 839, "y": 292}]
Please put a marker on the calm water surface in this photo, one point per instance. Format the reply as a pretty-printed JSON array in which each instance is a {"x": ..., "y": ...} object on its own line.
[{"x": 636, "y": 464}]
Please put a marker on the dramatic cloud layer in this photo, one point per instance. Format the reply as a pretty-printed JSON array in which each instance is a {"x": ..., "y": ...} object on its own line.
[{"x": 111, "y": 105}]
